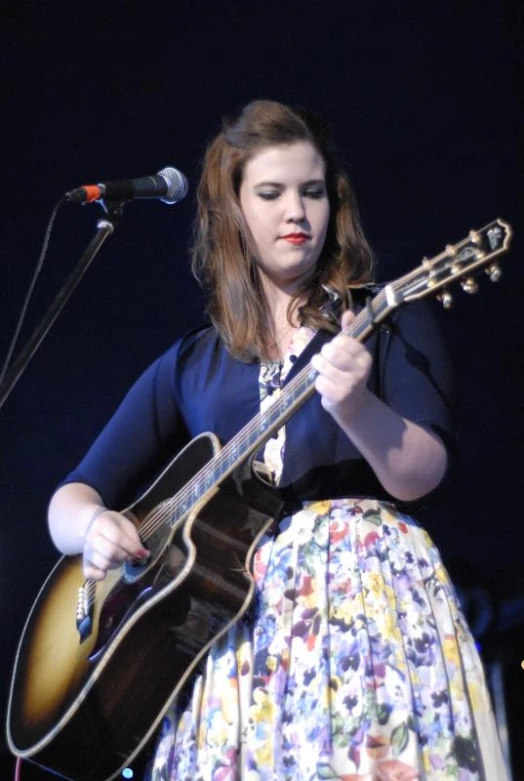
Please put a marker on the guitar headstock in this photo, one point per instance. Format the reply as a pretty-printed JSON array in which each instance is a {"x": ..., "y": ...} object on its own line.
[{"x": 462, "y": 261}]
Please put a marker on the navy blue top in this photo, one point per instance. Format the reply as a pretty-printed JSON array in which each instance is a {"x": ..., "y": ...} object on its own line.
[{"x": 197, "y": 386}]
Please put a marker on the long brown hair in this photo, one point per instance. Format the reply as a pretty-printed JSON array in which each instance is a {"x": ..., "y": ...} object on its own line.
[{"x": 221, "y": 260}]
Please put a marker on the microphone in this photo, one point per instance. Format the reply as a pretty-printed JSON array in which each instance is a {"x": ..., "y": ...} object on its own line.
[{"x": 169, "y": 185}]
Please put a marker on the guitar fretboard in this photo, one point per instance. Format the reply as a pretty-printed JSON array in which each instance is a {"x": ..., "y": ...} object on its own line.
[
  {"x": 460, "y": 261},
  {"x": 262, "y": 426}
]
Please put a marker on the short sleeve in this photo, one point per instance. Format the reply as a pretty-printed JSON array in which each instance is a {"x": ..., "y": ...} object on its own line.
[
  {"x": 416, "y": 375},
  {"x": 146, "y": 430}
]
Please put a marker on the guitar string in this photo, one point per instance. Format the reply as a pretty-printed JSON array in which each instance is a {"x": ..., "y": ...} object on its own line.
[
  {"x": 172, "y": 506},
  {"x": 301, "y": 386},
  {"x": 155, "y": 520},
  {"x": 169, "y": 507},
  {"x": 302, "y": 383}
]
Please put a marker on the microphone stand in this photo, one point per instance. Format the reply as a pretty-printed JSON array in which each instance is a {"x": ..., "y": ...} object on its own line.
[{"x": 105, "y": 228}]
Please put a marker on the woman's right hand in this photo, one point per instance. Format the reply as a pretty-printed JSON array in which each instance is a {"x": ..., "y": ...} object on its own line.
[{"x": 111, "y": 539}]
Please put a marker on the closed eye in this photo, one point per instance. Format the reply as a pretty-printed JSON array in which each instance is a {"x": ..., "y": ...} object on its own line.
[
  {"x": 316, "y": 193},
  {"x": 269, "y": 195}
]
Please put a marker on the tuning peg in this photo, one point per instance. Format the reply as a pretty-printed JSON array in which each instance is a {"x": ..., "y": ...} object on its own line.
[
  {"x": 494, "y": 272},
  {"x": 446, "y": 299},
  {"x": 469, "y": 285},
  {"x": 475, "y": 237}
]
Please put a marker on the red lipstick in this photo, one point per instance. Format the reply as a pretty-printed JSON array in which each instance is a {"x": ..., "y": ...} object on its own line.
[{"x": 296, "y": 238}]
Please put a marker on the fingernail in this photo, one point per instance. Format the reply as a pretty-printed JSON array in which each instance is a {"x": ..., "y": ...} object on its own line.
[{"x": 140, "y": 557}]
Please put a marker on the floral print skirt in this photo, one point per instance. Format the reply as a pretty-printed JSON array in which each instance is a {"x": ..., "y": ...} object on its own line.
[{"x": 354, "y": 662}]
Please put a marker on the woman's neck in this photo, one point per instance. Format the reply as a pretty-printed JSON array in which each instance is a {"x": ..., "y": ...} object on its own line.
[{"x": 281, "y": 322}]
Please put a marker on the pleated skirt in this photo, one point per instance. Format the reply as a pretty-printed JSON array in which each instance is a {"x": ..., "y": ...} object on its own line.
[{"x": 354, "y": 662}]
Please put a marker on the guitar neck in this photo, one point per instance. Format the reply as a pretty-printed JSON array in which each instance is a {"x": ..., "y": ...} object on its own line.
[
  {"x": 461, "y": 261},
  {"x": 262, "y": 426}
]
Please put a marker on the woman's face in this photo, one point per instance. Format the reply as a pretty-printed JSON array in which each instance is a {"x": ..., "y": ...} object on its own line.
[{"x": 286, "y": 208}]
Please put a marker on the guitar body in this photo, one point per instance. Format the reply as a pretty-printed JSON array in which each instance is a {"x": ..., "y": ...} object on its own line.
[{"x": 85, "y": 702}]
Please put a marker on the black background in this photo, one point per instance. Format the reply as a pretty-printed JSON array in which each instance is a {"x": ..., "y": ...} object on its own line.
[{"x": 425, "y": 99}]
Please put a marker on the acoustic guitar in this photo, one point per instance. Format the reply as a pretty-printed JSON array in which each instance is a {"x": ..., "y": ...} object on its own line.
[{"x": 99, "y": 662}]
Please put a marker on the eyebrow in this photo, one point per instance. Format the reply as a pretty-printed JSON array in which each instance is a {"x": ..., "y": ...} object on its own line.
[{"x": 279, "y": 184}]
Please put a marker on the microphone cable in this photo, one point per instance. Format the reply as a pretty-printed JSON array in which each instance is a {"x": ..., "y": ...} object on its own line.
[{"x": 31, "y": 288}]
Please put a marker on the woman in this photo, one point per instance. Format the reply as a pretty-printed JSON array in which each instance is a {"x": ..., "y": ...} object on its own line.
[{"x": 354, "y": 661}]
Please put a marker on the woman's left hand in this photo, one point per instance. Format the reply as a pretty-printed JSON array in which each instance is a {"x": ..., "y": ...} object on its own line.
[{"x": 343, "y": 367}]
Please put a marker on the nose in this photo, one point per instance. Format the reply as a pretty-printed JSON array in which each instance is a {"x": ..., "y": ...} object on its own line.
[{"x": 294, "y": 207}]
